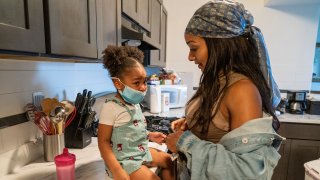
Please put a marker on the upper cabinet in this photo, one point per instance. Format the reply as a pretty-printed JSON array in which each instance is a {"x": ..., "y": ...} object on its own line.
[
  {"x": 81, "y": 28},
  {"x": 138, "y": 11},
  {"x": 72, "y": 27},
  {"x": 22, "y": 26},
  {"x": 156, "y": 6},
  {"x": 108, "y": 24},
  {"x": 159, "y": 34}
]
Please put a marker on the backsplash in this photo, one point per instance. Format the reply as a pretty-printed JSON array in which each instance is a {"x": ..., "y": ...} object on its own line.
[{"x": 18, "y": 79}]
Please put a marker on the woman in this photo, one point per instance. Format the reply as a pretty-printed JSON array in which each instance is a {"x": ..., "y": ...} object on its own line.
[{"x": 229, "y": 128}]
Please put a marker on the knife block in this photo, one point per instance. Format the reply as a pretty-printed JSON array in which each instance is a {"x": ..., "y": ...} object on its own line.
[{"x": 77, "y": 137}]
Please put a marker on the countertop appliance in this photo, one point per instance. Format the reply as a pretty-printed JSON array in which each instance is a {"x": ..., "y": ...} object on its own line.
[
  {"x": 177, "y": 96},
  {"x": 313, "y": 106},
  {"x": 297, "y": 101}
]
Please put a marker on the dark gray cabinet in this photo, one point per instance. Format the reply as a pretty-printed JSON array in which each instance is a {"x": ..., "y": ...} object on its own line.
[
  {"x": 72, "y": 28},
  {"x": 302, "y": 145},
  {"x": 81, "y": 28},
  {"x": 156, "y": 9},
  {"x": 22, "y": 25},
  {"x": 138, "y": 11},
  {"x": 108, "y": 24},
  {"x": 159, "y": 34},
  {"x": 301, "y": 152}
]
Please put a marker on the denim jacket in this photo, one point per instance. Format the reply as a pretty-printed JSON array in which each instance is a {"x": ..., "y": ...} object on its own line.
[{"x": 248, "y": 152}]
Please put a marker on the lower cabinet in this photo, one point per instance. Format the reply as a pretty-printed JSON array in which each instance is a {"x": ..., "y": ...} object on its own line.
[{"x": 300, "y": 147}]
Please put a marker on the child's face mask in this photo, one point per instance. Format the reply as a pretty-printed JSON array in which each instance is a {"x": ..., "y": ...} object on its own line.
[{"x": 131, "y": 95}]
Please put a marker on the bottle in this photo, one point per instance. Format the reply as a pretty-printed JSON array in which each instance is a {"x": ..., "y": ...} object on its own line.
[
  {"x": 155, "y": 99},
  {"x": 165, "y": 101},
  {"x": 65, "y": 165}
]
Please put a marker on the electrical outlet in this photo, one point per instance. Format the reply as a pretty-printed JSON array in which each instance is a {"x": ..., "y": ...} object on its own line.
[{"x": 37, "y": 98}]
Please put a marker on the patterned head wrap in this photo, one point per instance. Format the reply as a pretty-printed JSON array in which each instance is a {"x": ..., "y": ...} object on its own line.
[{"x": 227, "y": 19}]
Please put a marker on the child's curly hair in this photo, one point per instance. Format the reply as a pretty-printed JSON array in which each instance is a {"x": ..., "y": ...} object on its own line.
[{"x": 119, "y": 59}]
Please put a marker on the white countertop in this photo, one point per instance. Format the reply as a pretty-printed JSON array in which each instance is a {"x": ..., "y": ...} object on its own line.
[
  {"x": 286, "y": 117},
  {"x": 179, "y": 112},
  {"x": 299, "y": 118},
  {"x": 89, "y": 164},
  {"x": 175, "y": 112}
]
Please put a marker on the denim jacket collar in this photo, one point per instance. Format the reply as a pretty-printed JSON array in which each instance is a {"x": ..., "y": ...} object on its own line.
[{"x": 251, "y": 136}]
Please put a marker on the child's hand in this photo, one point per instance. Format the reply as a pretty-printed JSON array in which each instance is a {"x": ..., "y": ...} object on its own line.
[
  {"x": 121, "y": 175},
  {"x": 157, "y": 137}
]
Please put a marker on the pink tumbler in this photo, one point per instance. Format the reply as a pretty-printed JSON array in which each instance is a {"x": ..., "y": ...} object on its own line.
[{"x": 65, "y": 165}]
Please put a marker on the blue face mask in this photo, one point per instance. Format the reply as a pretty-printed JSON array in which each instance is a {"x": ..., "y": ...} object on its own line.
[{"x": 130, "y": 95}]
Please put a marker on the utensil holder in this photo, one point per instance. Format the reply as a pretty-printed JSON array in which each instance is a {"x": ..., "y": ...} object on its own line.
[{"x": 53, "y": 145}]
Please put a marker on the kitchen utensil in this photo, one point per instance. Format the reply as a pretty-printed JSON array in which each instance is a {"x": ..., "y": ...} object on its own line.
[
  {"x": 42, "y": 121},
  {"x": 70, "y": 118},
  {"x": 77, "y": 101},
  {"x": 48, "y": 104},
  {"x": 69, "y": 107},
  {"x": 84, "y": 107},
  {"x": 37, "y": 97},
  {"x": 57, "y": 115},
  {"x": 90, "y": 118}
]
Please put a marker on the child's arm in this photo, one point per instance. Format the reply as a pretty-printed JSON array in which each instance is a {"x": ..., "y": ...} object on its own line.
[{"x": 104, "y": 139}]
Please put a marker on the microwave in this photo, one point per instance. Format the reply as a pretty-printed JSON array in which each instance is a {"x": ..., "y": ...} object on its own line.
[{"x": 177, "y": 95}]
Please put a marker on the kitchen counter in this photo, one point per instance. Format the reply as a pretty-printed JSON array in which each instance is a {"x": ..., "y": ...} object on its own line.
[
  {"x": 89, "y": 164},
  {"x": 176, "y": 112},
  {"x": 299, "y": 118},
  {"x": 285, "y": 118}
]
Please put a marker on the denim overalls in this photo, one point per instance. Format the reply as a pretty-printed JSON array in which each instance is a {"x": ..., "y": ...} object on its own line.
[{"x": 129, "y": 141}]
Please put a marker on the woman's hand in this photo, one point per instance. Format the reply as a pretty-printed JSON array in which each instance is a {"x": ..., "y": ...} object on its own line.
[
  {"x": 179, "y": 124},
  {"x": 121, "y": 174},
  {"x": 157, "y": 137},
  {"x": 172, "y": 140}
]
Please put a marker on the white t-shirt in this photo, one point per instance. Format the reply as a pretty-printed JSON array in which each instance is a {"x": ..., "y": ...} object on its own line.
[{"x": 115, "y": 115}]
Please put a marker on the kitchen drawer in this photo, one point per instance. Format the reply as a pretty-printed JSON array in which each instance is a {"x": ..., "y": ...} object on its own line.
[{"x": 300, "y": 131}]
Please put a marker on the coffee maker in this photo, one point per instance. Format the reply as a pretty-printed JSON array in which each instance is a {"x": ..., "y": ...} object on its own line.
[{"x": 297, "y": 102}]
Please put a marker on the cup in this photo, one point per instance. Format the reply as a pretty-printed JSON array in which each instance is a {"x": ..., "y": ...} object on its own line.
[
  {"x": 52, "y": 145},
  {"x": 65, "y": 165}
]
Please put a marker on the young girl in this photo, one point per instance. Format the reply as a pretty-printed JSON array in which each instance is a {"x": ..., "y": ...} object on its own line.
[{"x": 122, "y": 135}]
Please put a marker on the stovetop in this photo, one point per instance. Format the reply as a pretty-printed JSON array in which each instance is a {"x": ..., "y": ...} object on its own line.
[{"x": 159, "y": 124}]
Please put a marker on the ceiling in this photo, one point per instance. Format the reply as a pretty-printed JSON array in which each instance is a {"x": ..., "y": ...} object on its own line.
[{"x": 291, "y": 2}]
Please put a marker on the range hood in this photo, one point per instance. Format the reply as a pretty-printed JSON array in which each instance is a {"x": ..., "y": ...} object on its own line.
[{"x": 133, "y": 34}]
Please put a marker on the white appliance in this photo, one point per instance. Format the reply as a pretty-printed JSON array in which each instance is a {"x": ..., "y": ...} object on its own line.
[
  {"x": 177, "y": 96},
  {"x": 312, "y": 170}
]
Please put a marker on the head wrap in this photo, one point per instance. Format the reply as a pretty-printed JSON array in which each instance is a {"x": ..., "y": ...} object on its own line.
[{"x": 227, "y": 19}]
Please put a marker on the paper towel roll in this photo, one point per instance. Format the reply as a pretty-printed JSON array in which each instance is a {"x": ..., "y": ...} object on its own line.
[{"x": 155, "y": 99}]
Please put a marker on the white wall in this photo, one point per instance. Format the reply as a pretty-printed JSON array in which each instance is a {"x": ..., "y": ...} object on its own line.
[
  {"x": 290, "y": 34},
  {"x": 18, "y": 79}
]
